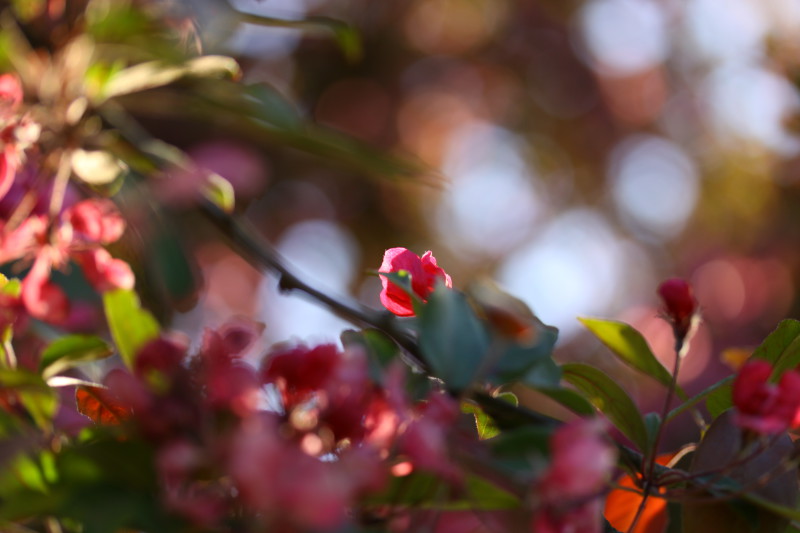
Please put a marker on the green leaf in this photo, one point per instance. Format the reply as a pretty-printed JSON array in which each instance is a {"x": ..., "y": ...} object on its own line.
[
  {"x": 569, "y": 399},
  {"x": 272, "y": 107},
  {"x": 380, "y": 349},
  {"x": 131, "y": 326},
  {"x": 452, "y": 339},
  {"x": 697, "y": 398},
  {"x": 608, "y": 397},
  {"x": 34, "y": 394},
  {"x": 630, "y": 347},
  {"x": 781, "y": 348},
  {"x": 152, "y": 74},
  {"x": 484, "y": 424},
  {"x": 71, "y": 351},
  {"x": 720, "y": 399}
]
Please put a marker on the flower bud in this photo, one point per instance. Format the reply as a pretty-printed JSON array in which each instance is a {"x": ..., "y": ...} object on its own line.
[{"x": 680, "y": 305}]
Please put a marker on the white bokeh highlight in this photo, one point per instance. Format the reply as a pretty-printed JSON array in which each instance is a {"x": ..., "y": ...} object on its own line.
[{"x": 654, "y": 185}]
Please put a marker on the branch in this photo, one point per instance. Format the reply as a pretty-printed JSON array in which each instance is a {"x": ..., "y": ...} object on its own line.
[{"x": 261, "y": 254}]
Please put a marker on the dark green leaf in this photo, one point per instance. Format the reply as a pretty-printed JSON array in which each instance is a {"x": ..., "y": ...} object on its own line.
[
  {"x": 452, "y": 339},
  {"x": 569, "y": 399},
  {"x": 426, "y": 491},
  {"x": 71, "y": 351},
  {"x": 607, "y": 396},
  {"x": 131, "y": 326},
  {"x": 272, "y": 107},
  {"x": 697, "y": 398}
]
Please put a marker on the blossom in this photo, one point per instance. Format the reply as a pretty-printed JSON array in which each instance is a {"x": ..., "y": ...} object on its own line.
[
  {"x": 679, "y": 304},
  {"x": 762, "y": 406},
  {"x": 424, "y": 274},
  {"x": 569, "y": 490}
]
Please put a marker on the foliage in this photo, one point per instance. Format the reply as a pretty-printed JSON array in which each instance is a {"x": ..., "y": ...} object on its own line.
[{"x": 119, "y": 423}]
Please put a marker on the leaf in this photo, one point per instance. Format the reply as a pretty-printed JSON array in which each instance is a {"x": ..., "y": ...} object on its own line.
[
  {"x": 131, "y": 326},
  {"x": 101, "y": 406},
  {"x": 720, "y": 399},
  {"x": 71, "y": 351},
  {"x": 33, "y": 393},
  {"x": 569, "y": 399},
  {"x": 708, "y": 392},
  {"x": 452, "y": 339},
  {"x": 426, "y": 491},
  {"x": 607, "y": 396},
  {"x": 380, "y": 349},
  {"x": 630, "y": 347},
  {"x": 622, "y": 505},
  {"x": 272, "y": 107},
  {"x": 152, "y": 74},
  {"x": 483, "y": 423},
  {"x": 781, "y": 348},
  {"x": 96, "y": 167}
]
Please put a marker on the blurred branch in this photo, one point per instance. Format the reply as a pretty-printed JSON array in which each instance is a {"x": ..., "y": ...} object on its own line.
[{"x": 260, "y": 253}]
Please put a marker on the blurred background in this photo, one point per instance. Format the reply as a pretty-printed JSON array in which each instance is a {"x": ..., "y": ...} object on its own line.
[{"x": 580, "y": 152}]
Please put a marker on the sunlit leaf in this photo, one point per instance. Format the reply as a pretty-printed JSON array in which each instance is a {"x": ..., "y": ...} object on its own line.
[
  {"x": 72, "y": 350},
  {"x": 154, "y": 74},
  {"x": 483, "y": 423},
  {"x": 629, "y": 346},
  {"x": 781, "y": 348},
  {"x": 220, "y": 192},
  {"x": 101, "y": 406},
  {"x": 608, "y": 397},
  {"x": 622, "y": 505},
  {"x": 131, "y": 326}
]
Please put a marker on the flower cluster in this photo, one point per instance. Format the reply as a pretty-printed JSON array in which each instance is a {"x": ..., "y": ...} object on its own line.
[{"x": 78, "y": 234}]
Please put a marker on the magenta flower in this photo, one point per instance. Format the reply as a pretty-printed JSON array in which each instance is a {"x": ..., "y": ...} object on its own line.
[
  {"x": 762, "y": 406},
  {"x": 424, "y": 274}
]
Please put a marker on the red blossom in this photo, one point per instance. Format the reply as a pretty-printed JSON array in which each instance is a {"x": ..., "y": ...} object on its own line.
[
  {"x": 424, "y": 274},
  {"x": 679, "y": 304},
  {"x": 300, "y": 371},
  {"x": 104, "y": 272},
  {"x": 763, "y": 406}
]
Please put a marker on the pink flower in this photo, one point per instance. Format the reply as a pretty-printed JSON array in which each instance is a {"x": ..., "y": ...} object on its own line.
[
  {"x": 95, "y": 221},
  {"x": 44, "y": 299},
  {"x": 762, "y": 406},
  {"x": 569, "y": 491},
  {"x": 424, "y": 274},
  {"x": 104, "y": 272},
  {"x": 10, "y": 94}
]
